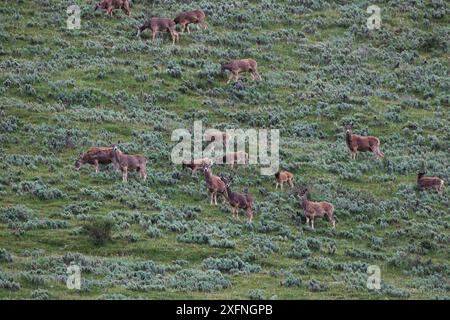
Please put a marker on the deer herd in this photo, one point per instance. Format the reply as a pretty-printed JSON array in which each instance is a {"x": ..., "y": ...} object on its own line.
[{"x": 221, "y": 185}]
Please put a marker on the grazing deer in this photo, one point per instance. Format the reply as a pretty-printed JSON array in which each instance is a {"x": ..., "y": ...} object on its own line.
[
  {"x": 312, "y": 210},
  {"x": 195, "y": 164},
  {"x": 186, "y": 18},
  {"x": 244, "y": 65},
  {"x": 95, "y": 156},
  {"x": 238, "y": 201},
  {"x": 110, "y": 5},
  {"x": 357, "y": 143},
  {"x": 424, "y": 182},
  {"x": 282, "y": 177},
  {"x": 160, "y": 24},
  {"x": 126, "y": 161},
  {"x": 239, "y": 157},
  {"x": 214, "y": 184}
]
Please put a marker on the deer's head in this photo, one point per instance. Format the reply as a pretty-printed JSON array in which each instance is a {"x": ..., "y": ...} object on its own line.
[
  {"x": 348, "y": 128},
  {"x": 302, "y": 193},
  {"x": 78, "y": 162},
  {"x": 206, "y": 167}
]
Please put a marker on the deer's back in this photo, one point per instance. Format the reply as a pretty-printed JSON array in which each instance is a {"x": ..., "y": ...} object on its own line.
[
  {"x": 428, "y": 182},
  {"x": 363, "y": 143},
  {"x": 161, "y": 23}
]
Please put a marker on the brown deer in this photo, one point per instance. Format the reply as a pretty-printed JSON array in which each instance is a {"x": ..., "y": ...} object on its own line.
[
  {"x": 160, "y": 24},
  {"x": 357, "y": 143},
  {"x": 239, "y": 157},
  {"x": 312, "y": 210},
  {"x": 95, "y": 156},
  {"x": 424, "y": 182},
  {"x": 110, "y": 5},
  {"x": 195, "y": 164},
  {"x": 126, "y": 162},
  {"x": 214, "y": 184},
  {"x": 238, "y": 201},
  {"x": 282, "y": 177},
  {"x": 186, "y": 18},
  {"x": 244, "y": 65}
]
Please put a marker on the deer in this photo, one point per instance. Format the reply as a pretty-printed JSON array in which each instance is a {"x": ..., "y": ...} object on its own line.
[
  {"x": 156, "y": 25},
  {"x": 357, "y": 143},
  {"x": 126, "y": 161},
  {"x": 238, "y": 200},
  {"x": 284, "y": 176},
  {"x": 424, "y": 182},
  {"x": 195, "y": 164},
  {"x": 214, "y": 184},
  {"x": 184, "y": 19},
  {"x": 312, "y": 209},
  {"x": 239, "y": 157},
  {"x": 243, "y": 65},
  {"x": 95, "y": 156},
  {"x": 110, "y": 5}
]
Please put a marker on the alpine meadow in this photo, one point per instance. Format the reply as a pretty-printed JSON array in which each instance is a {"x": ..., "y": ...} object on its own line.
[{"x": 93, "y": 207}]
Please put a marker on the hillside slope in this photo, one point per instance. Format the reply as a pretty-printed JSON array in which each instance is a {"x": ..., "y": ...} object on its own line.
[{"x": 63, "y": 91}]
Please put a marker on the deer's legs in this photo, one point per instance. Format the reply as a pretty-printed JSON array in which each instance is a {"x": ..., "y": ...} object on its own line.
[
  {"x": 154, "y": 34},
  {"x": 276, "y": 186},
  {"x": 143, "y": 173},
  {"x": 183, "y": 26},
  {"x": 96, "y": 165},
  {"x": 282, "y": 185},
  {"x": 312, "y": 223},
  {"x": 291, "y": 183},
  {"x": 249, "y": 215},
  {"x": 230, "y": 77},
  {"x": 125, "y": 174},
  {"x": 215, "y": 198},
  {"x": 109, "y": 11},
  {"x": 236, "y": 77},
  {"x": 211, "y": 198},
  {"x": 189, "y": 31},
  {"x": 307, "y": 221}
]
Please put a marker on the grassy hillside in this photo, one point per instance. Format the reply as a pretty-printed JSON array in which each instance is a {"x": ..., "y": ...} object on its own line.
[{"x": 63, "y": 91}]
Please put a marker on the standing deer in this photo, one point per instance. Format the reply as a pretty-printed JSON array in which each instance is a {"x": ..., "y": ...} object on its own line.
[
  {"x": 126, "y": 162},
  {"x": 95, "y": 156},
  {"x": 244, "y": 65},
  {"x": 110, "y": 5},
  {"x": 195, "y": 164},
  {"x": 160, "y": 24},
  {"x": 214, "y": 184},
  {"x": 424, "y": 182},
  {"x": 186, "y": 18},
  {"x": 312, "y": 209},
  {"x": 357, "y": 143},
  {"x": 238, "y": 201},
  {"x": 282, "y": 177}
]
